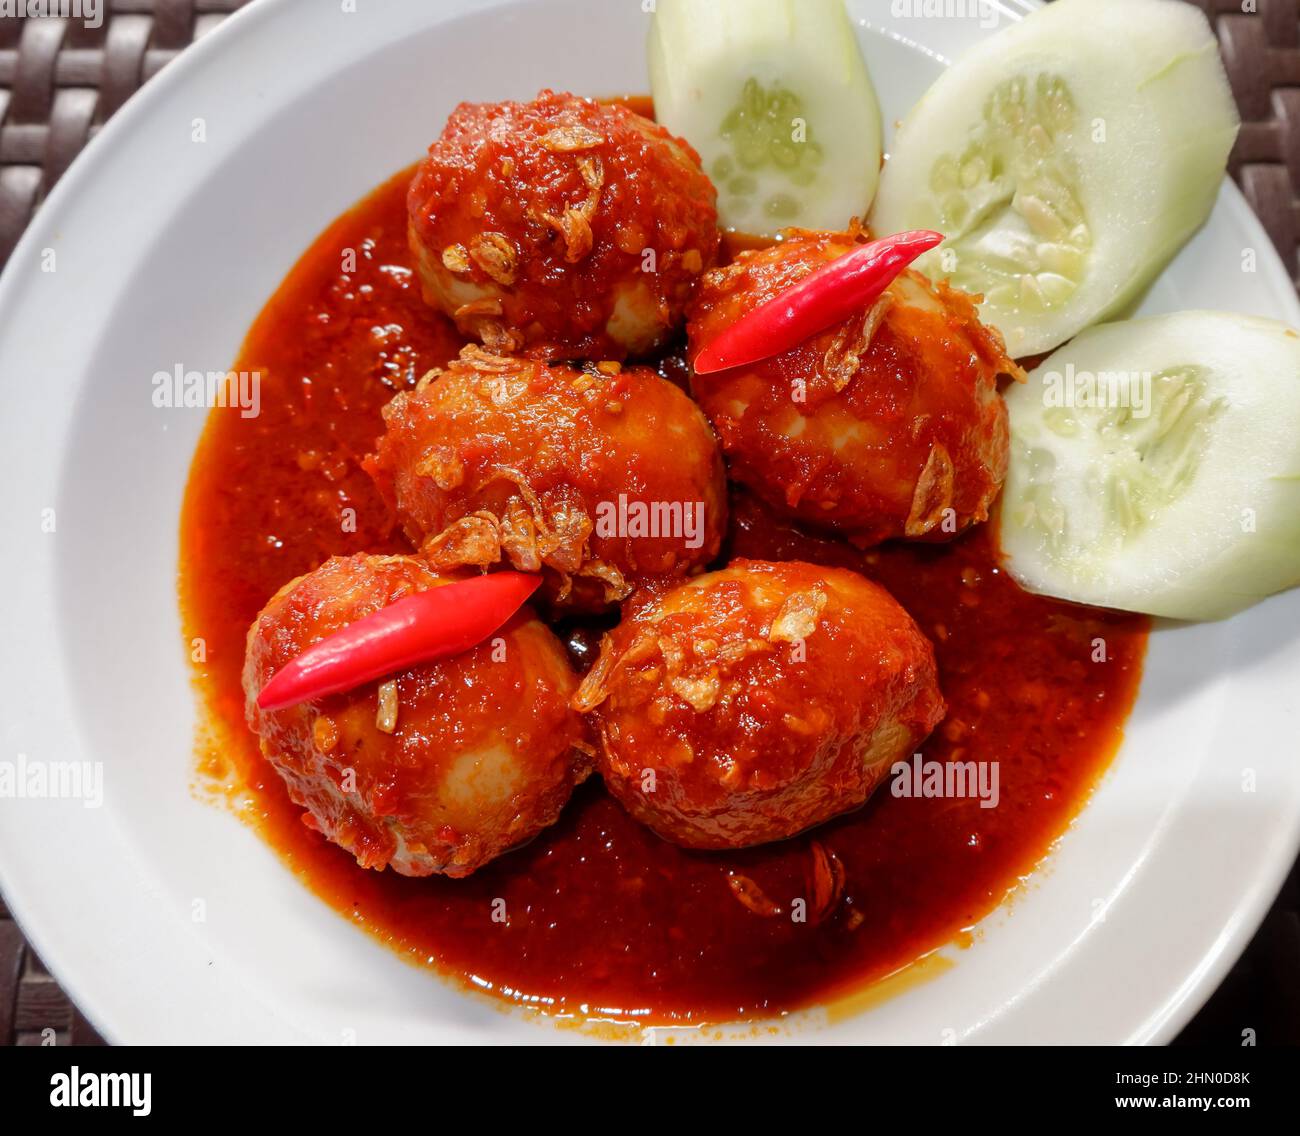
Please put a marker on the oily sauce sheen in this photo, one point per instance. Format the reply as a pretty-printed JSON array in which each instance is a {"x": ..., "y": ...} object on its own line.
[{"x": 604, "y": 919}]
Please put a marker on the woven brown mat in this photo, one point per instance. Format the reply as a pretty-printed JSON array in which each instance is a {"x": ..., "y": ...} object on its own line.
[
  {"x": 1261, "y": 50},
  {"x": 61, "y": 80}
]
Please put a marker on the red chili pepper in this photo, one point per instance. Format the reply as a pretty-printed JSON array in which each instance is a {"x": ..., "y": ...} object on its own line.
[
  {"x": 831, "y": 294},
  {"x": 416, "y": 629}
]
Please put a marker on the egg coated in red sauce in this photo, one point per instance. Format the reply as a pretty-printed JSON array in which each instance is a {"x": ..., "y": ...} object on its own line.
[
  {"x": 437, "y": 768},
  {"x": 600, "y": 478},
  {"x": 564, "y": 226},
  {"x": 757, "y": 701},
  {"x": 885, "y": 425},
  {"x": 603, "y": 917}
]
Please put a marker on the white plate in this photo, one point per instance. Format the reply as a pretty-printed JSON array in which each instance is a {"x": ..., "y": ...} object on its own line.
[{"x": 1151, "y": 896}]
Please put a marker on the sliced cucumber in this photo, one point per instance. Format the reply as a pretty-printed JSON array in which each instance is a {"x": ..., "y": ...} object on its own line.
[
  {"x": 1155, "y": 466},
  {"x": 776, "y": 97},
  {"x": 1067, "y": 159}
]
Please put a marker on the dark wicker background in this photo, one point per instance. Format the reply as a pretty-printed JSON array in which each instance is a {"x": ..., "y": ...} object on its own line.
[{"x": 60, "y": 81}]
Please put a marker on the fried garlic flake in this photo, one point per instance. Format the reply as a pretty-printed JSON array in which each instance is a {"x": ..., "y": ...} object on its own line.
[
  {"x": 574, "y": 225},
  {"x": 616, "y": 586},
  {"x": 497, "y": 338},
  {"x": 933, "y": 494},
  {"x": 568, "y": 139},
  {"x": 325, "y": 734},
  {"x": 443, "y": 466},
  {"x": 478, "y": 308},
  {"x": 476, "y": 357},
  {"x": 699, "y": 693},
  {"x": 828, "y": 879},
  {"x": 455, "y": 259},
  {"x": 475, "y": 540},
  {"x": 494, "y": 253},
  {"x": 798, "y": 617},
  {"x": 751, "y": 896},
  {"x": 844, "y": 356},
  {"x": 386, "y": 717}
]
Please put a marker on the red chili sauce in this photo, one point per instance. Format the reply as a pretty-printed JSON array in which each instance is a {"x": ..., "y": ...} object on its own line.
[{"x": 604, "y": 918}]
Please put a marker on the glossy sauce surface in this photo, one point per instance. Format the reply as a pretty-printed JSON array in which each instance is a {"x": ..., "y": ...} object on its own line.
[{"x": 603, "y": 918}]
